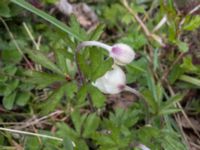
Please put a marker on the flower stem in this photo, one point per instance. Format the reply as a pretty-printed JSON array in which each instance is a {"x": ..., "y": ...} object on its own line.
[{"x": 94, "y": 43}]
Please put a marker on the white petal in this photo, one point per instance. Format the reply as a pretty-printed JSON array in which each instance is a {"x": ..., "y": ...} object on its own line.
[
  {"x": 99, "y": 83},
  {"x": 143, "y": 147},
  {"x": 112, "y": 82},
  {"x": 122, "y": 54},
  {"x": 116, "y": 76}
]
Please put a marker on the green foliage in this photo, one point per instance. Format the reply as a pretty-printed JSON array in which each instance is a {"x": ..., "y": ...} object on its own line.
[
  {"x": 4, "y": 8},
  {"x": 193, "y": 24},
  {"x": 40, "y": 78},
  {"x": 47, "y": 17}
]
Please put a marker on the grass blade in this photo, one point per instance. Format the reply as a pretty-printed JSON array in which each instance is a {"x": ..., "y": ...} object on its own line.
[
  {"x": 46, "y": 17},
  {"x": 191, "y": 80}
]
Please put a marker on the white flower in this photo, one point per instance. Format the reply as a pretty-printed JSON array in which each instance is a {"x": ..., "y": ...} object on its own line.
[
  {"x": 122, "y": 54},
  {"x": 143, "y": 147},
  {"x": 112, "y": 82}
]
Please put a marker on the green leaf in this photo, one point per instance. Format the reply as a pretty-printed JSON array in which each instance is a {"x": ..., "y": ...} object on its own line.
[
  {"x": 188, "y": 66},
  {"x": 41, "y": 59},
  {"x": 42, "y": 79},
  {"x": 98, "y": 65},
  {"x": 136, "y": 70},
  {"x": 175, "y": 73},
  {"x": 150, "y": 100},
  {"x": 102, "y": 69},
  {"x": 11, "y": 86},
  {"x": 22, "y": 98},
  {"x": 4, "y": 8},
  {"x": 98, "y": 98},
  {"x": 136, "y": 39},
  {"x": 76, "y": 28},
  {"x": 11, "y": 56},
  {"x": 47, "y": 17},
  {"x": 71, "y": 89},
  {"x": 169, "y": 111},
  {"x": 182, "y": 46},
  {"x": 64, "y": 130},
  {"x": 10, "y": 69},
  {"x": 90, "y": 125},
  {"x": 159, "y": 93},
  {"x": 32, "y": 143},
  {"x": 95, "y": 35},
  {"x": 82, "y": 94},
  {"x": 193, "y": 24},
  {"x": 172, "y": 101},
  {"x": 8, "y": 101},
  {"x": 53, "y": 100},
  {"x": 61, "y": 60},
  {"x": 78, "y": 120},
  {"x": 85, "y": 68},
  {"x": 68, "y": 144},
  {"x": 190, "y": 80},
  {"x": 152, "y": 86},
  {"x": 155, "y": 59}
]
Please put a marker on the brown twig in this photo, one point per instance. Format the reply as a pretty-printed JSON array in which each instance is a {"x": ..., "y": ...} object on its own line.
[
  {"x": 36, "y": 121},
  {"x": 191, "y": 12},
  {"x": 143, "y": 26},
  {"x": 182, "y": 111}
]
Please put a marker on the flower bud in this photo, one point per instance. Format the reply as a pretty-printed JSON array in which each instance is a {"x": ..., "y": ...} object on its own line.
[
  {"x": 112, "y": 82},
  {"x": 122, "y": 54}
]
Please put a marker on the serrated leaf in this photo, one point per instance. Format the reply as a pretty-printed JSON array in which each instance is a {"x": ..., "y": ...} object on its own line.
[
  {"x": 98, "y": 99},
  {"x": 71, "y": 89},
  {"x": 82, "y": 94},
  {"x": 64, "y": 129},
  {"x": 41, "y": 59},
  {"x": 90, "y": 125},
  {"x": 102, "y": 69},
  {"x": 53, "y": 100},
  {"x": 78, "y": 120},
  {"x": 98, "y": 66},
  {"x": 85, "y": 68},
  {"x": 76, "y": 28},
  {"x": 61, "y": 60},
  {"x": 42, "y": 79},
  {"x": 95, "y": 35}
]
